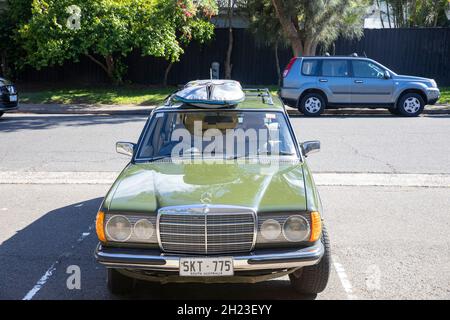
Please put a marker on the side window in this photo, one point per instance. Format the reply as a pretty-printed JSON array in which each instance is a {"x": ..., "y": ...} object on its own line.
[
  {"x": 309, "y": 67},
  {"x": 334, "y": 68},
  {"x": 366, "y": 69}
]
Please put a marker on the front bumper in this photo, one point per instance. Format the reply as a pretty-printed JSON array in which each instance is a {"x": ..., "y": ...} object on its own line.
[
  {"x": 261, "y": 259},
  {"x": 433, "y": 95},
  {"x": 8, "y": 108}
]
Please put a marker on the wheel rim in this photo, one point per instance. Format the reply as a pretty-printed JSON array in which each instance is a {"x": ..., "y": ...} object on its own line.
[
  {"x": 313, "y": 105},
  {"x": 411, "y": 105}
]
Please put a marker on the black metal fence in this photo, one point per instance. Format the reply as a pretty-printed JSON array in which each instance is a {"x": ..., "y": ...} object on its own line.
[{"x": 421, "y": 52}]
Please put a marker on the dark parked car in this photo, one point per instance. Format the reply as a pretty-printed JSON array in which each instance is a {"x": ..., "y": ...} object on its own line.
[{"x": 8, "y": 96}]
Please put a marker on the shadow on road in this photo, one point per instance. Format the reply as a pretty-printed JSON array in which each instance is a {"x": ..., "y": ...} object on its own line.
[
  {"x": 268, "y": 290},
  {"x": 33, "y": 122},
  {"x": 26, "y": 256}
]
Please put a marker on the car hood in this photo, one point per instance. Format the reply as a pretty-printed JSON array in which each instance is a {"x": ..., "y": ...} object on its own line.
[
  {"x": 148, "y": 187},
  {"x": 414, "y": 79}
]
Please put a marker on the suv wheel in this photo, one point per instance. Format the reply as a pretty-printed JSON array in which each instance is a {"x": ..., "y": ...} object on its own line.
[
  {"x": 314, "y": 279},
  {"x": 118, "y": 283},
  {"x": 410, "y": 105},
  {"x": 312, "y": 104}
]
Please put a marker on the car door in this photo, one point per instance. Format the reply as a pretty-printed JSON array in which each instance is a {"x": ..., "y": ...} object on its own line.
[
  {"x": 334, "y": 80},
  {"x": 370, "y": 84}
]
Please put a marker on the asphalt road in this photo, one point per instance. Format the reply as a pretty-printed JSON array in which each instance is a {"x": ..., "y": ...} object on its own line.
[
  {"x": 387, "y": 242},
  {"x": 349, "y": 144}
]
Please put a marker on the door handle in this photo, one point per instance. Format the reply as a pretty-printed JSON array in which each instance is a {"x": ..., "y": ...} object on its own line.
[
  {"x": 323, "y": 80},
  {"x": 359, "y": 81}
]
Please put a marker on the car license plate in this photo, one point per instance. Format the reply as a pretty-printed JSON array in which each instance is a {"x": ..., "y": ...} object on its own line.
[
  {"x": 206, "y": 267},
  {"x": 13, "y": 98}
]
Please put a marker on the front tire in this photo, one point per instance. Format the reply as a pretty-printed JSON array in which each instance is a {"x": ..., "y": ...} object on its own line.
[
  {"x": 314, "y": 279},
  {"x": 118, "y": 284},
  {"x": 410, "y": 105},
  {"x": 312, "y": 104}
]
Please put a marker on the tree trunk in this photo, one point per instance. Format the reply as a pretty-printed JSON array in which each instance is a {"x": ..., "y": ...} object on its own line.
[
  {"x": 166, "y": 74},
  {"x": 381, "y": 16},
  {"x": 277, "y": 63},
  {"x": 108, "y": 66},
  {"x": 228, "y": 65},
  {"x": 310, "y": 47},
  {"x": 388, "y": 14},
  {"x": 288, "y": 28}
]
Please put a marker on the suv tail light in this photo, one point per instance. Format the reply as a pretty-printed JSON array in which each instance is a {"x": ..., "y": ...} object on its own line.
[{"x": 288, "y": 67}]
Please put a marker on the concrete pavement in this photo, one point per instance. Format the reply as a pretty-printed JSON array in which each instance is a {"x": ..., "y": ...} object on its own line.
[{"x": 389, "y": 240}]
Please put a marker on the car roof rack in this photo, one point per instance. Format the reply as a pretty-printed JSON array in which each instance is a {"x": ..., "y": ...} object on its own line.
[{"x": 264, "y": 93}]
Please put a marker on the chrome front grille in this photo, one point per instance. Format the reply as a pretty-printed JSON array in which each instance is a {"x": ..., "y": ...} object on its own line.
[{"x": 206, "y": 229}]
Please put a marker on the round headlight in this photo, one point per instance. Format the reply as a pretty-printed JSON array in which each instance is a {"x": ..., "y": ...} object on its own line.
[
  {"x": 296, "y": 228},
  {"x": 270, "y": 229},
  {"x": 118, "y": 228},
  {"x": 143, "y": 229}
]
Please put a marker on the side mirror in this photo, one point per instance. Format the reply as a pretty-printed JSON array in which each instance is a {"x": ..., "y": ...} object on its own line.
[
  {"x": 387, "y": 75},
  {"x": 126, "y": 148},
  {"x": 310, "y": 147}
]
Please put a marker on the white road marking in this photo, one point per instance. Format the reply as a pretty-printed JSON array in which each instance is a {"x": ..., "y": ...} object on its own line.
[
  {"x": 383, "y": 179},
  {"x": 47, "y": 275},
  {"x": 346, "y": 284},
  {"x": 322, "y": 179},
  {"x": 42, "y": 281}
]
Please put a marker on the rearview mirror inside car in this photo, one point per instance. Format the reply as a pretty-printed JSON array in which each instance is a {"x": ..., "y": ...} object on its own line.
[{"x": 125, "y": 148}]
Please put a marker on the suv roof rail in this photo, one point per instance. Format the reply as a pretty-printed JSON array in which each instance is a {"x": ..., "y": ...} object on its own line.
[{"x": 264, "y": 93}]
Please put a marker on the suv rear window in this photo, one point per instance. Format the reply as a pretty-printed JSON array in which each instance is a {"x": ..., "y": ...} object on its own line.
[
  {"x": 334, "y": 68},
  {"x": 310, "y": 67}
]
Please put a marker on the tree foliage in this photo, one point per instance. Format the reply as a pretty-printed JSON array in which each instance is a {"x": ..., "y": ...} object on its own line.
[
  {"x": 305, "y": 24},
  {"x": 413, "y": 13},
  {"x": 107, "y": 30},
  {"x": 17, "y": 12}
]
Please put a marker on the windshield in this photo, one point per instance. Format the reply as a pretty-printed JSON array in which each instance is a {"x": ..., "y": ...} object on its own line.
[{"x": 223, "y": 134}]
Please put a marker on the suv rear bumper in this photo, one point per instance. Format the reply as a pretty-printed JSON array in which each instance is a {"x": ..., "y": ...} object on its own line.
[{"x": 261, "y": 259}]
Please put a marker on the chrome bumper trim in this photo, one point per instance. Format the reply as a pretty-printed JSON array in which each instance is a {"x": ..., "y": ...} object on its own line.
[{"x": 152, "y": 259}]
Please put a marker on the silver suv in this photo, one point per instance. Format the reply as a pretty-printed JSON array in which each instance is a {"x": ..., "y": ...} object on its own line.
[{"x": 312, "y": 84}]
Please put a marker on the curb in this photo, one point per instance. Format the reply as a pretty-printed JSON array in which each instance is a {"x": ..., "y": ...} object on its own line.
[{"x": 146, "y": 111}]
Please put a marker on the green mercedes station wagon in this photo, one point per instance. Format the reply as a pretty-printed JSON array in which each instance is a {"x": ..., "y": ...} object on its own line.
[{"x": 217, "y": 190}]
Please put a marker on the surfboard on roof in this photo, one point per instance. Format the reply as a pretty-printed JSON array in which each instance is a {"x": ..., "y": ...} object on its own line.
[{"x": 211, "y": 93}]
